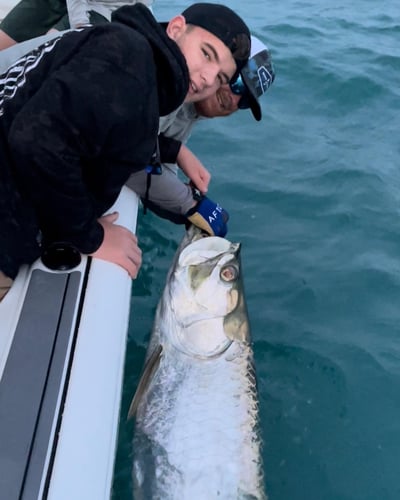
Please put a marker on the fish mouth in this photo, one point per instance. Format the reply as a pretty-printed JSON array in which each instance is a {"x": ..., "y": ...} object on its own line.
[
  {"x": 213, "y": 247},
  {"x": 193, "y": 234}
]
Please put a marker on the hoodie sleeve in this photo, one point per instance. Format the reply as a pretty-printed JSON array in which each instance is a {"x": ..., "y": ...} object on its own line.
[
  {"x": 76, "y": 141},
  {"x": 169, "y": 148}
]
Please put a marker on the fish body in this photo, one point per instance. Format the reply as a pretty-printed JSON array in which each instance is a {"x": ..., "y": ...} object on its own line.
[{"x": 196, "y": 432}]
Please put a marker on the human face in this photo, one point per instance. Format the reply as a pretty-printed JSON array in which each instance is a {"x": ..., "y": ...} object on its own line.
[
  {"x": 209, "y": 60},
  {"x": 222, "y": 103}
]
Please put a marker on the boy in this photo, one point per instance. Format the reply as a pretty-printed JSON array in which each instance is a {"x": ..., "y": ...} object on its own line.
[{"x": 80, "y": 114}]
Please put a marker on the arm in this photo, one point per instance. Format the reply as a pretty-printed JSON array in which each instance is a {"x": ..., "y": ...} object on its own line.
[
  {"x": 72, "y": 137},
  {"x": 192, "y": 167},
  {"x": 173, "y": 151},
  {"x": 175, "y": 131}
]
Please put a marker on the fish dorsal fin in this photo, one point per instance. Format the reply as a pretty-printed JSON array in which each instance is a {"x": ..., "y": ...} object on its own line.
[{"x": 144, "y": 382}]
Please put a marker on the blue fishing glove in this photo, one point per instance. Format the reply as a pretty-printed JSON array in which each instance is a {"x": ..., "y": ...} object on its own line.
[{"x": 209, "y": 216}]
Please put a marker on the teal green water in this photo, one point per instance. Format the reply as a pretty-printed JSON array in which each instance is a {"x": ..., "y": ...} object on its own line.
[{"x": 314, "y": 196}]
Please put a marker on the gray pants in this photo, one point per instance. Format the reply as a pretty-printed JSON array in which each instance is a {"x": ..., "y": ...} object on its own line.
[{"x": 166, "y": 190}]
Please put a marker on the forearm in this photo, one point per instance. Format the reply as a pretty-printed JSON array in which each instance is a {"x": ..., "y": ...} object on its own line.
[
  {"x": 64, "y": 210},
  {"x": 192, "y": 167},
  {"x": 186, "y": 161}
]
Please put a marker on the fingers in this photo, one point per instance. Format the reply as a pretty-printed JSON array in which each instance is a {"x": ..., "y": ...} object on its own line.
[
  {"x": 119, "y": 246},
  {"x": 128, "y": 254},
  {"x": 203, "y": 181},
  {"x": 133, "y": 261},
  {"x": 201, "y": 184},
  {"x": 206, "y": 176}
]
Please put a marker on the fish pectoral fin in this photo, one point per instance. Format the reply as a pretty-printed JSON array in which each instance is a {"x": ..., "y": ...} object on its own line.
[{"x": 144, "y": 382}]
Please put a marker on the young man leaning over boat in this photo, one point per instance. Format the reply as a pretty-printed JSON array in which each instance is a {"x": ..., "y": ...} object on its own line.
[
  {"x": 178, "y": 201},
  {"x": 80, "y": 114}
]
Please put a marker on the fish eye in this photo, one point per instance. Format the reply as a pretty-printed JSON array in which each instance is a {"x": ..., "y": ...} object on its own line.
[{"x": 229, "y": 273}]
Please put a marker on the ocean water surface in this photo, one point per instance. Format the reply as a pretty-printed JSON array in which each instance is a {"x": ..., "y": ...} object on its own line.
[
  {"x": 313, "y": 193},
  {"x": 314, "y": 196}
]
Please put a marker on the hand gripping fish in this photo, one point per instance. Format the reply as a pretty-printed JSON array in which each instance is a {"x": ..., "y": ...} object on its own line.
[{"x": 196, "y": 432}]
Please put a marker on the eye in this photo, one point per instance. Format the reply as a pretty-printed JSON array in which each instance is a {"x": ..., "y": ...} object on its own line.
[
  {"x": 229, "y": 273},
  {"x": 206, "y": 54}
]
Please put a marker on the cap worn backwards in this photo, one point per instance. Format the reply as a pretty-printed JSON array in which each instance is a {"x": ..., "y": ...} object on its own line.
[
  {"x": 225, "y": 24},
  {"x": 258, "y": 74}
]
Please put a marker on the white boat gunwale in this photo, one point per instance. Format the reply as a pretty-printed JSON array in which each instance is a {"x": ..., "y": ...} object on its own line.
[{"x": 75, "y": 439}]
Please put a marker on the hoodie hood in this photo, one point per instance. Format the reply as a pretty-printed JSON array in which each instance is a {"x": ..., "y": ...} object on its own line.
[{"x": 171, "y": 67}]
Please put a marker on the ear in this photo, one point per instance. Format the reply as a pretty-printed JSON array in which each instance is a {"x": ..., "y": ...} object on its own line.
[{"x": 176, "y": 27}]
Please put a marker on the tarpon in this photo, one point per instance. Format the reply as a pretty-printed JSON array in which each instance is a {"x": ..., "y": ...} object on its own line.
[{"x": 197, "y": 433}]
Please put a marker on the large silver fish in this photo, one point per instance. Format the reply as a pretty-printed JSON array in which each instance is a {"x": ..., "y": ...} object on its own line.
[{"x": 196, "y": 434}]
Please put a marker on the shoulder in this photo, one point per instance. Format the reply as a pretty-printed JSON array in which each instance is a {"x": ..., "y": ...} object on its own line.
[
  {"x": 122, "y": 38},
  {"x": 111, "y": 45},
  {"x": 122, "y": 46}
]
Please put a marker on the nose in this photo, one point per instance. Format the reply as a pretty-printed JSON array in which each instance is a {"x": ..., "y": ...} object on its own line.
[{"x": 209, "y": 75}]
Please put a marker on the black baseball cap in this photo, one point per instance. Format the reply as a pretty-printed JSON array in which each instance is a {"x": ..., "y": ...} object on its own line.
[{"x": 225, "y": 24}]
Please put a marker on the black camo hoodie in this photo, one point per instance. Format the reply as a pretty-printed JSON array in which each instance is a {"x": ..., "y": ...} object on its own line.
[{"x": 78, "y": 115}]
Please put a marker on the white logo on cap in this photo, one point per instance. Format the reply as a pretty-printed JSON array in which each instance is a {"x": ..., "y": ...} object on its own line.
[{"x": 264, "y": 77}]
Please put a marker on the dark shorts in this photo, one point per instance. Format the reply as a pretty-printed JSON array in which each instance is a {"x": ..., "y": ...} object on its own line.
[{"x": 32, "y": 18}]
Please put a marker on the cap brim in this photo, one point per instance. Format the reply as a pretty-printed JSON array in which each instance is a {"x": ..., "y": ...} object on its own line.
[
  {"x": 253, "y": 98},
  {"x": 255, "y": 107},
  {"x": 258, "y": 76}
]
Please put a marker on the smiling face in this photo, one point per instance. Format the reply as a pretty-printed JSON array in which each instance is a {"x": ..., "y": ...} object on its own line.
[
  {"x": 222, "y": 103},
  {"x": 209, "y": 60}
]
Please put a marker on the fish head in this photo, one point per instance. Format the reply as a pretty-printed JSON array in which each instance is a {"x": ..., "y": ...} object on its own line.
[{"x": 206, "y": 297}]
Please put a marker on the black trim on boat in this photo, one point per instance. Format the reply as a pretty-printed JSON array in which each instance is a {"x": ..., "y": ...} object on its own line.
[
  {"x": 64, "y": 393},
  {"x": 33, "y": 384}
]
